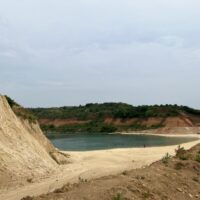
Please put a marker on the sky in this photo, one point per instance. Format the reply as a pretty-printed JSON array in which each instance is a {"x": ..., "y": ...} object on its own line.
[{"x": 64, "y": 52}]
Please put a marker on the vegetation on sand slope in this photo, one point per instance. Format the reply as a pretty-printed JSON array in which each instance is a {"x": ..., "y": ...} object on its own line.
[{"x": 20, "y": 111}]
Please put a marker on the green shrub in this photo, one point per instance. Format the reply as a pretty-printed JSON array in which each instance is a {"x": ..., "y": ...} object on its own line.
[
  {"x": 197, "y": 158},
  {"x": 97, "y": 113},
  {"x": 27, "y": 198},
  {"x": 11, "y": 102},
  {"x": 20, "y": 111},
  {"x": 146, "y": 195},
  {"x": 179, "y": 165},
  {"x": 108, "y": 129},
  {"x": 196, "y": 179},
  {"x": 82, "y": 180},
  {"x": 181, "y": 153},
  {"x": 119, "y": 196},
  {"x": 166, "y": 158},
  {"x": 115, "y": 110}
]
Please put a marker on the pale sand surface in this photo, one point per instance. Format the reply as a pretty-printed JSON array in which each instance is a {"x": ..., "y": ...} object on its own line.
[
  {"x": 157, "y": 134},
  {"x": 93, "y": 164}
]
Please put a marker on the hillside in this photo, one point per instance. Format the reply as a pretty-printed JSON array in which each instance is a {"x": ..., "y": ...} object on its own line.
[
  {"x": 174, "y": 178},
  {"x": 25, "y": 153},
  {"x": 111, "y": 117}
]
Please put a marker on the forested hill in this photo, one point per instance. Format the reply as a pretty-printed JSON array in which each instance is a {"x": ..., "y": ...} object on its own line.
[
  {"x": 114, "y": 110},
  {"x": 110, "y": 117}
]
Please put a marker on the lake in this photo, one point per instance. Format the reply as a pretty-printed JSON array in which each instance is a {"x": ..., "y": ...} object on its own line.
[{"x": 88, "y": 142}]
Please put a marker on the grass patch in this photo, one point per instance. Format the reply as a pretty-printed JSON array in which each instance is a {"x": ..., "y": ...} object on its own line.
[
  {"x": 181, "y": 153},
  {"x": 197, "y": 158},
  {"x": 146, "y": 195},
  {"x": 89, "y": 127},
  {"x": 196, "y": 179},
  {"x": 82, "y": 180},
  {"x": 119, "y": 196},
  {"x": 166, "y": 158},
  {"x": 179, "y": 166},
  {"x": 21, "y": 112}
]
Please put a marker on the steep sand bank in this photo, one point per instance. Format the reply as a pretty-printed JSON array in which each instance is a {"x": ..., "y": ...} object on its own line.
[
  {"x": 25, "y": 153},
  {"x": 93, "y": 164}
]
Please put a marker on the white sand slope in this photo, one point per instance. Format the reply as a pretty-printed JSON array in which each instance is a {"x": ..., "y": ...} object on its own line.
[{"x": 25, "y": 153}]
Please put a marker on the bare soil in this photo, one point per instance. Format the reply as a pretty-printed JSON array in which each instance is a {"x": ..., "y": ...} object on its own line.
[
  {"x": 180, "y": 121},
  {"x": 176, "y": 178}
]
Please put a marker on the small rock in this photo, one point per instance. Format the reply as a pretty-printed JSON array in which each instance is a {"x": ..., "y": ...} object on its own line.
[
  {"x": 190, "y": 195},
  {"x": 179, "y": 189},
  {"x": 30, "y": 180}
]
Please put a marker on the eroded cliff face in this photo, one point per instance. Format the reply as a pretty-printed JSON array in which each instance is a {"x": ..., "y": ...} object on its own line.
[{"x": 24, "y": 150}]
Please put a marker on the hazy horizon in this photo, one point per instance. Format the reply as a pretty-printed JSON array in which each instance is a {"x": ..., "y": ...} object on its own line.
[
  {"x": 99, "y": 103},
  {"x": 66, "y": 53}
]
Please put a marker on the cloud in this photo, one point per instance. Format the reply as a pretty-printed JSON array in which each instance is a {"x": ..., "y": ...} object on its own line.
[{"x": 90, "y": 50}]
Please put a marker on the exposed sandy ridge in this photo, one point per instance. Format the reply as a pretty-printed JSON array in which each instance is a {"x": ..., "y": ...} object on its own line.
[{"x": 25, "y": 153}]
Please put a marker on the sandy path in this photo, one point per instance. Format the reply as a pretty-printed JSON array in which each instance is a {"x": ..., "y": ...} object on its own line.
[{"x": 93, "y": 164}]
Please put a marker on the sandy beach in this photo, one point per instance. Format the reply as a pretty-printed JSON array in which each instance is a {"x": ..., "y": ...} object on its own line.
[
  {"x": 159, "y": 134},
  {"x": 93, "y": 164}
]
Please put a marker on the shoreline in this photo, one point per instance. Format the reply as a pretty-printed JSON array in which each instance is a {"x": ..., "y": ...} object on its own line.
[
  {"x": 95, "y": 164},
  {"x": 159, "y": 134}
]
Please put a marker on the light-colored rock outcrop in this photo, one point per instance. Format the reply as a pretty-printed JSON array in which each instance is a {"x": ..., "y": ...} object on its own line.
[{"x": 24, "y": 150}]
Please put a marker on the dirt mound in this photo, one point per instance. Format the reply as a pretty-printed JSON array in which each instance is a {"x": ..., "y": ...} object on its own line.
[
  {"x": 25, "y": 153},
  {"x": 177, "y": 130},
  {"x": 178, "y": 122},
  {"x": 171, "y": 178}
]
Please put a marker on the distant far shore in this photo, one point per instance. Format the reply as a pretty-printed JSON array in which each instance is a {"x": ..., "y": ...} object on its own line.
[
  {"x": 195, "y": 135},
  {"x": 167, "y": 131}
]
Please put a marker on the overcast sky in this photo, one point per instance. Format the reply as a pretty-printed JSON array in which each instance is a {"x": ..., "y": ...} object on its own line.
[{"x": 71, "y": 52}]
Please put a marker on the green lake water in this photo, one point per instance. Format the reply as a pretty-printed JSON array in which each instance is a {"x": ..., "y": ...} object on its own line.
[{"x": 88, "y": 142}]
